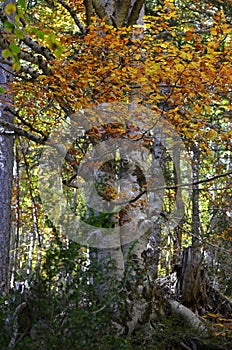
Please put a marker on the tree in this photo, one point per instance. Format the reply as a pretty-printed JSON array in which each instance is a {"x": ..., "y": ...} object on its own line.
[
  {"x": 6, "y": 172},
  {"x": 75, "y": 61}
]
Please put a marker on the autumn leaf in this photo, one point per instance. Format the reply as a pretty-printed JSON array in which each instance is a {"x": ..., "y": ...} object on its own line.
[{"x": 10, "y": 8}]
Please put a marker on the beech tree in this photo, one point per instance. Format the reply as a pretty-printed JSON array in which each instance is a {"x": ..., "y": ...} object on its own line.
[{"x": 118, "y": 76}]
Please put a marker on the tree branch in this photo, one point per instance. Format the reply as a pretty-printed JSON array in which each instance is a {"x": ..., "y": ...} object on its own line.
[
  {"x": 134, "y": 15},
  {"x": 181, "y": 185},
  {"x": 200, "y": 181},
  {"x": 74, "y": 16},
  {"x": 28, "y": 70},
  {"x": 121, "y": 15},
  {"x": 89, "y": 11},
  {"x": 29, "y": 125},
  {"x": 23, "y": 132},
  {"x": 38, "y": 60},
  {"x": 42, "y": 50},
  {"x": 18, "y": 309},
  {"x": 29, "y": 57},
  {"x": 45, "y": 138},
  {"x": 42, "y": 141}
]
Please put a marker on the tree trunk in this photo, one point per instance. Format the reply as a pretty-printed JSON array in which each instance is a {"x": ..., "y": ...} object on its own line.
[
  {"x": 123, "y": 13},
  {"x": 191, "y": 270},
  {"x": 190, "y": 278},
  {"x": 6, "y": 176}
]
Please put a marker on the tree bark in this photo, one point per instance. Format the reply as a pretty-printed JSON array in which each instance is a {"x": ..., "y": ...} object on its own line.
[
  {"x": 6, "y": 176},
  {"x": 191, "y": 269},
  {"x": 118, "y": 12}
]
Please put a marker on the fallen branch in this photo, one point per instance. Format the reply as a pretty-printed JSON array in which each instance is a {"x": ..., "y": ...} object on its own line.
[{"x": 187, "y": 315}]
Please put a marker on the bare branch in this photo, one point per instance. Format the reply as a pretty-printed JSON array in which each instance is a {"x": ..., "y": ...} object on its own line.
[
  {"x": 23, "y": 69},
  {"x": 42, "y": 50},
  {"x": 36, "y": 59},
  {"x": 29, "y": 125},
  {"x": 23, "y": 132},
  {"x": 28, "y": 70},
  {"x": 200, "y": 181},
  {"x": 74, "y": 16},
  {"x": 180, "y": 185},
  {"x": 189, "y": 316},
  {"x": 42, "y": 141}
]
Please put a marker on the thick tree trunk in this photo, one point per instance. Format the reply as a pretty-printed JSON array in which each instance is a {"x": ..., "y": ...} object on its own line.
[
  {"x": 123, "y": 13},
  {"x": 145, "y": 303},
  {"x": 117, "y": 12},
  {"x": 6, "y": 176}
]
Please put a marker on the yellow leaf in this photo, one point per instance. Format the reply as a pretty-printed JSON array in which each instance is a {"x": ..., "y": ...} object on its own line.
[
  {"x": 10, "y": 8},
  {"x": 226, "y": 29},
  {"x": 16, "y": 66},
  {"x": 211, "y": 315},
  {"x": 211, "y": 134},
  {"x": 213, "y": 31}
]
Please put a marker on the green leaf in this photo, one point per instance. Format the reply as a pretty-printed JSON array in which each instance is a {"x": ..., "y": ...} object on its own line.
[
  {"x": 15, "y": 48},
  {"x": 6, "y": 53},
  {"x": 19, "y": 34},
  {"x": 8, "y": 26},
  {"x": 22, "y": 4},
  {"x": 2, "y": 90},
  {"x": 38, "y": 32}
]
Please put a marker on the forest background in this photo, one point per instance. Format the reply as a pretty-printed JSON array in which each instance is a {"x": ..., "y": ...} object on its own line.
[{"x": 115, "y": 174}]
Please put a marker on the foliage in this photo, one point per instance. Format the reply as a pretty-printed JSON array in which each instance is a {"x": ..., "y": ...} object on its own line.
[{"x": 65, "y": 309}]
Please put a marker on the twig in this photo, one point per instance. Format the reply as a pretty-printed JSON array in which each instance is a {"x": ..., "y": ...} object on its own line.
[{"x": 15, "y": 114}]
